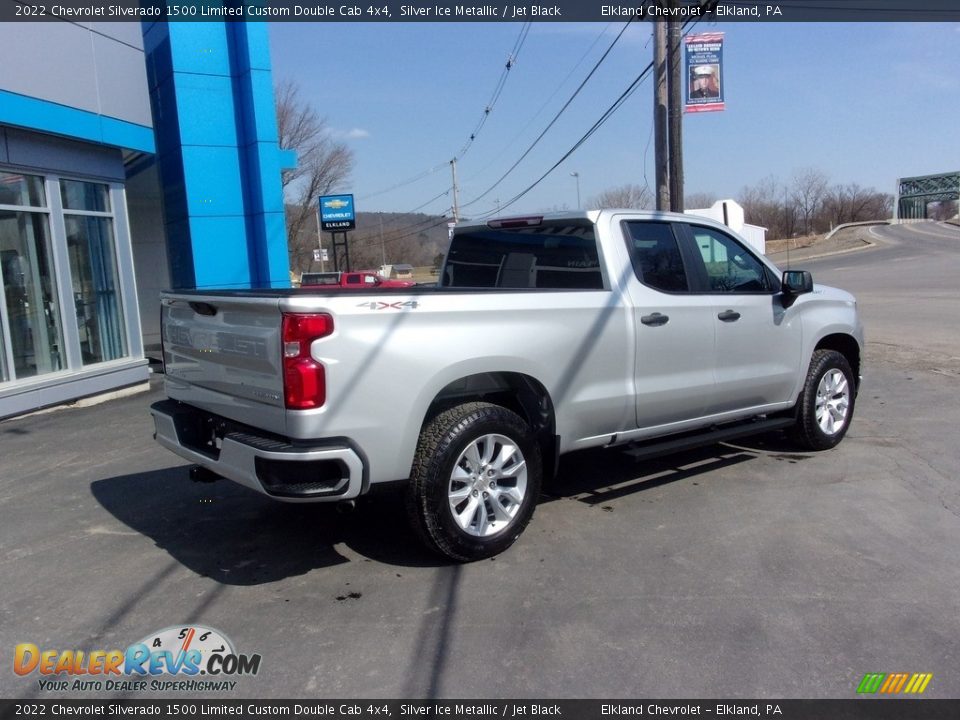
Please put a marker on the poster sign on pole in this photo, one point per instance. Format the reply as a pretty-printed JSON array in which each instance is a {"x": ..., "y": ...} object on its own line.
[
  {"x": 704, "y": 69},
  {"x": 337, "y": 213}
]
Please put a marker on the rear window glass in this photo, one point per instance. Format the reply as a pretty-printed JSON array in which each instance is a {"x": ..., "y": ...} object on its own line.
[
  {"x": 656, "y": 256},
  {"x": 320, "y": 279},
  {"x": 557, "y": 257}
]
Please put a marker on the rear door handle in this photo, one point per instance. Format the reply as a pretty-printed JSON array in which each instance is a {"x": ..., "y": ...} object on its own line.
[
  {"x": 729, "y": 316},
  {"x": 655, "y": 319}
]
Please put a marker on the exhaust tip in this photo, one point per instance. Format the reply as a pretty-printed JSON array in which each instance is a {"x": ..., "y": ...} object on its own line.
[{"x": 345, "y": 507}]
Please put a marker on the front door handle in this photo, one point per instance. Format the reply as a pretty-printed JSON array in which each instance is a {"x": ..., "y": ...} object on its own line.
[
  {"x": 729, "y": 316},
  {"x": 655, "y": 319}
]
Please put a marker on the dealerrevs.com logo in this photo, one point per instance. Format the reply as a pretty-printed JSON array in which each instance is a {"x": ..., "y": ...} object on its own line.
[{"x": 179, "y": 658}]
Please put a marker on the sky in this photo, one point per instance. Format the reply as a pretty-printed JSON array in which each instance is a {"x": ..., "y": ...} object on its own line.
[{"x": 863, "y": 103}]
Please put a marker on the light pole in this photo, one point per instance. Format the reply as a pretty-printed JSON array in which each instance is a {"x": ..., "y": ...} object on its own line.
[{"x": 576, "y": 176}]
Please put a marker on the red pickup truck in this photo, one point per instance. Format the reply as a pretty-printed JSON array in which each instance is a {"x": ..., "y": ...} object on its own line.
[{"x": 358, "y": 280}]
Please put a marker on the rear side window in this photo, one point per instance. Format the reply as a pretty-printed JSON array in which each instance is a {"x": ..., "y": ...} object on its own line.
[
  {"x": 656, "y": 257},
  {"x": 557, "y": 257}
]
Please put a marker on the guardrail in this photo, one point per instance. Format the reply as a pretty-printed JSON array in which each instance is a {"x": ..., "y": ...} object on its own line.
[{"x": 856, "y": 224}]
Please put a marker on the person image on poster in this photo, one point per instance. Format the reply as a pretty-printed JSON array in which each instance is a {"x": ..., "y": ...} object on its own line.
[{"x": 704, "y": 81}]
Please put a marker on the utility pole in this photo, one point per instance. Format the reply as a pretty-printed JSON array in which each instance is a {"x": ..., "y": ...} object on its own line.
[
  {"x": 323, "y": 265},
  {"x": 660, "y": 104},
  {"x": 456, "y": 191},
  {"x": 383, "y": 246},
  {"x": 675, "y": 143},
  {"x": 576, "y": 176}
]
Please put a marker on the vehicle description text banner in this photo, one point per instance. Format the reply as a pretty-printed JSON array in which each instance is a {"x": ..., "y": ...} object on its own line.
[
  {"x": 494, "y": 11},
  {"x": 488, "y": 709}
]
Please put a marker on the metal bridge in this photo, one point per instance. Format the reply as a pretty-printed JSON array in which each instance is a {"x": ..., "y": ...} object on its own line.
[{"x": 914, "y": 194}]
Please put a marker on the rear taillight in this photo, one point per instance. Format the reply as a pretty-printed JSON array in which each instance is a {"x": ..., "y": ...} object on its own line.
[{"x": 304, "y": 381}]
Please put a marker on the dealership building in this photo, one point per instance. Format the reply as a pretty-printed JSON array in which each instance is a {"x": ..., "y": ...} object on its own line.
[{"x": 133, "y": 158}]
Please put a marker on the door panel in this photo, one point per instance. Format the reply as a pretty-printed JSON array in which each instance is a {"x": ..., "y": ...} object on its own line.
[
  {"x": 758, "y": 355},
  {"x": 674, "y": 329},
  {"x": 758, "y": 342}
]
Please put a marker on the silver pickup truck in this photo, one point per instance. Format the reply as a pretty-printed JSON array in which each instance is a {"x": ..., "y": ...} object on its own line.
[{"x": 544, "y": 335}]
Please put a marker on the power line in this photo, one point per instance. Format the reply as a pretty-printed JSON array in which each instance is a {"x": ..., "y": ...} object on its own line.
[
  {"x": 511, "y": 60},
  {"x": 586, "y": 136},
  {"x": 545, "y": 103},
  {"x": 501, "y": 83},
  {"x": 555, "y": 117}
]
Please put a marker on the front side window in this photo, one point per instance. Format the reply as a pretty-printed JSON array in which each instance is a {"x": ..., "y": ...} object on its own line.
[
  {"x": 33, "y": 334},
  {"x": 93, "y": 269},
  {"x": 655, "y": 253},
  {"x": 557, "y": 257},
  {"x": 729, "y": 267}
]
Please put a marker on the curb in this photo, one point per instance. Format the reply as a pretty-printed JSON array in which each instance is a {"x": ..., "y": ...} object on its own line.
[{"x": 866, "y": 246}]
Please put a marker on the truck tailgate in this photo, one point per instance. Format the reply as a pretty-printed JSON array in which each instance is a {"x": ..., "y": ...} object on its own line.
[{"x": 229, "y": 346}]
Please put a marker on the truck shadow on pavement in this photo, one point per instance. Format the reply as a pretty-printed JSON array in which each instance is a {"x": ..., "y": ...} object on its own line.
[
  {"x": 236, "y": 536},
  {"x": 600, "y": 476}
]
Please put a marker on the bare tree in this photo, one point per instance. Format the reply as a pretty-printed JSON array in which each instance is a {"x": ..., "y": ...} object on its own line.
[
  {"x": 764, "y": 204},
  {"x": 807, "y": 193},
  {"x": 852, "y": 203},
  {"x": 943, "y": 210},
  {"x": 699, "y": 200},
  {"x": 323, "y": 165},
  {"x": 624, "y": 196}
]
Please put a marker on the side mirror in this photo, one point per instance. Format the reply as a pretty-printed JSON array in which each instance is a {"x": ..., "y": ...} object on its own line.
[{"x": 796, "y": 282}]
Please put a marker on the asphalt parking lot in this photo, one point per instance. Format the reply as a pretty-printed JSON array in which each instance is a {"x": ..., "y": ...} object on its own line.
[{"x": 744, "y": 570}]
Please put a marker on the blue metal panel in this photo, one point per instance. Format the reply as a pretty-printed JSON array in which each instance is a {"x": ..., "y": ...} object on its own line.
[
  {"x": 253, "y": 45},
  {"x": 126, "y": 135},
  {"x": 256, "y": 104},
  {"x": 214, "y": 186},
  {"x": 288, "y": 159},
  {"x": 200, "y": 47},
  {"x": 46, "y": 116},
  {"x": 277, "y": 260},
  {"x": 205, "y": 110},
  {"x": 262, "y": 168},
  {"x": 180, "y": 253},
  {"x": 220, "y": 252},
  {"x": 220, "y": 160}
]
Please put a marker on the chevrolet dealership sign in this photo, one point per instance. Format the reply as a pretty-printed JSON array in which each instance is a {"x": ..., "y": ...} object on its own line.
[{"x": 336, "y": 213}]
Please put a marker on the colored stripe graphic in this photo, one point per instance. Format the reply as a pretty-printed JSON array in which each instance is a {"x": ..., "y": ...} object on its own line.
[
  {"x": 871, "y": 682},
  {"x": 922, "y": 680},
  {"x": 894, "y": 683}
]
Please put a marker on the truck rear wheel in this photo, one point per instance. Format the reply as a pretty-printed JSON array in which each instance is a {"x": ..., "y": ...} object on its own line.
[
  {"x": 826, "y": 402},
  {"x": 475, "y": 481}
]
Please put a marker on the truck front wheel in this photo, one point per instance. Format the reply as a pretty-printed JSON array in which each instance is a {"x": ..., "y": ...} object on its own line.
[
  {"x": 826, "y": 403},
  {"x": 475, "y": 481}
]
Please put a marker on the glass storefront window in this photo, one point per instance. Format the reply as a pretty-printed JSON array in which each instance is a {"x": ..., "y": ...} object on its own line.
[
  {"x": 29, "y": 287},
  {"x": 79, "y": 195},
  {"x": 93, "y": 269},
  {"x": 4, "y": 376},
  {"x": 21, "y": 190},
  {"x": 32, "y": 336}
]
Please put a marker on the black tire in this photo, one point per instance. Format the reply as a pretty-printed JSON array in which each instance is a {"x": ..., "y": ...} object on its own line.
[
  {"x": 442, "y": 442},
  {"x": 808, "y": 432}
]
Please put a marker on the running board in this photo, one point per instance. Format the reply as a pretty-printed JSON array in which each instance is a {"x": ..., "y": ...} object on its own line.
[{"x": 641, "y": 450}]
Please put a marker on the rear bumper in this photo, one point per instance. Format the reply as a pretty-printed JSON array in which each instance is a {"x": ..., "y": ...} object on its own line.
[{"x": 327, "y": 471}]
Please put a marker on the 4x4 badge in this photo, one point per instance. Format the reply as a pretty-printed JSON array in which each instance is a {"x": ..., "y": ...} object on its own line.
[{"x": 398, "y": 305}]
